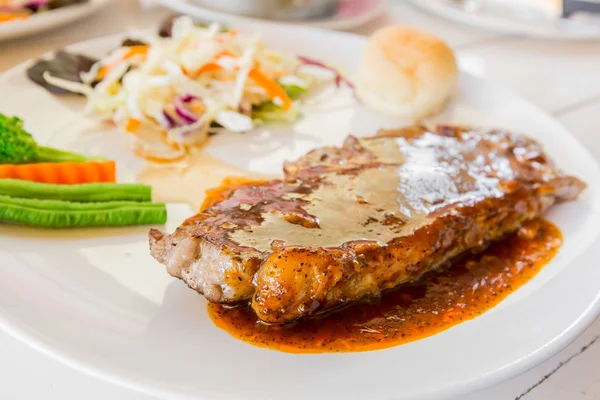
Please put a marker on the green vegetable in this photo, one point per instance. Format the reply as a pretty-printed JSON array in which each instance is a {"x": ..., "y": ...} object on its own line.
[
  {"x": 64, "y": 214},
  {"x": 18, "y": 147},
  {"x": 270, "y": 112},
  {"x": 87, "y": 192},
  {"x": 294, "y": 91},
  {"x": 267, "y": 107}
]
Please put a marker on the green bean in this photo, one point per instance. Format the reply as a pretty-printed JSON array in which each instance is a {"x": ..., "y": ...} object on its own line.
[
  {"x": 64, "y": 214},
  {"x": 87, "y": 192}
]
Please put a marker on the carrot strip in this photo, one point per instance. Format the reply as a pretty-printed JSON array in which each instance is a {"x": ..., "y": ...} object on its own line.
[
  {"x": 273, "y": 89},
  {"x": 213, "y": 67},
  {"x": 62, "y": 173},
  {"x": 210, "y": 67},
  {"x": 132, "y": 125},
  {"x": 7, "y": 17},
  {"x": 102, "y": 72},
  {"x": 136, "y": 50},
  {"x": 131, "y": 51}
]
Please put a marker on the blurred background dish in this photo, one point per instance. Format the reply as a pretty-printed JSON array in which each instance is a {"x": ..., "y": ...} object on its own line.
[
  {"x": 296, "y": 10},
  {"x": 49, "y": 19},
  {"x": 532, "y": 18},
  {"x": 330, "y": 14}
]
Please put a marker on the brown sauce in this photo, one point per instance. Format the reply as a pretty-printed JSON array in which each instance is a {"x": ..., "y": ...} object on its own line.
[{"x": 468, "y": 288}]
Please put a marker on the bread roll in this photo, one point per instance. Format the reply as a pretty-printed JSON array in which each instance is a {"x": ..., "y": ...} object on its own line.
[{"x": 406, "y": 73}]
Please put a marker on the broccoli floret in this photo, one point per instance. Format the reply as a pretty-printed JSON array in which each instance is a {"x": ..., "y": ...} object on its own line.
[{"x": 17, "y": 146}]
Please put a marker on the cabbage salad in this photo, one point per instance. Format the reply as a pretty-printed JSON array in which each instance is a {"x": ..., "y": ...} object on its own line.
[{"x": 170, "y": 93}]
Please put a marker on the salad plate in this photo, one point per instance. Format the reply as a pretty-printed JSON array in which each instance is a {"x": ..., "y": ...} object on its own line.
[
  {"x": 96, "y": 300},
  {"x": 49, "y": 19}
]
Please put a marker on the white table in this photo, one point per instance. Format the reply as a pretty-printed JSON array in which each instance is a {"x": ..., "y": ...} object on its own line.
[{"x": 561, "y": 78}]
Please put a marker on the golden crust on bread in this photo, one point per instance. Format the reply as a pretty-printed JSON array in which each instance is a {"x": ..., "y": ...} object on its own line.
[{"x": 407, "y": 73}]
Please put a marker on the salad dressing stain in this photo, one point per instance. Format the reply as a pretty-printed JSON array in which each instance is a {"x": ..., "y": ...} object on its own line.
[{"x": 467, "y": 289}]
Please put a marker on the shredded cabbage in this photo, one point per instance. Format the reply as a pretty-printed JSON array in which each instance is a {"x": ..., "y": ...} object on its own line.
[{"x": 183, "y": 86}]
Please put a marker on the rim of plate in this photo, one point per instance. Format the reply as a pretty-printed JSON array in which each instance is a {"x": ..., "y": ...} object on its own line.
[
  {"x": 49, "y": 19},
  {"x": 199, "y": 11},
  {"x": 128, "y": 380},
  {"x": 37, "y": 343}
]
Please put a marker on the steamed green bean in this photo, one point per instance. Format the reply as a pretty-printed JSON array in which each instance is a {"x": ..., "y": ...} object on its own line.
[
  {"x": 86, "y": 192},
  {"x": 64, "y": 214}
]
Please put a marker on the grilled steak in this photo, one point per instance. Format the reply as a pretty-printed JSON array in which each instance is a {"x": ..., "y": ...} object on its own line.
[{"x": 352, "y": 221}]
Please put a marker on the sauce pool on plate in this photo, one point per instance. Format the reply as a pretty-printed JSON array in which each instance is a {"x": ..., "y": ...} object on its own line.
[
  {"x": 189, "y": 183},
  {"x": 468, "y": 288}
]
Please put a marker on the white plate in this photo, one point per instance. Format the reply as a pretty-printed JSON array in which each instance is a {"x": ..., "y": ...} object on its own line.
[
  {"x": 355, "y": 13},
  {"x": 49, "y": 20},
  {"x": 96, "y": 300},
  {"x": 530, "y": 18}
]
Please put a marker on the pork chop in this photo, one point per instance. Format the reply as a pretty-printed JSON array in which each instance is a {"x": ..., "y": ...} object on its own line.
[{"x": 352, "y": 221}]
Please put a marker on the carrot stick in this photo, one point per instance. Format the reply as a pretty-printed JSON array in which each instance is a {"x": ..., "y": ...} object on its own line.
[
  {"x": 273, "y": 89},
  {"x": 47, "y": 175},
  {"x": 108, "y": 172},
  {"x": 70, "y": 175},
  {"x": 65, "y": 172},
  {"x": 6, "y": 17},
  {"x": 90, "y": 172}
]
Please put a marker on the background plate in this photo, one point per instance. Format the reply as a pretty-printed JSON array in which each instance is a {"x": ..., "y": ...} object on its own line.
[
  {"x": 49, "y": 20},
  {"x": 354, "y": 13},
  {"x": 96, "y": 300},
  {"x": 518, "y": 17}
]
